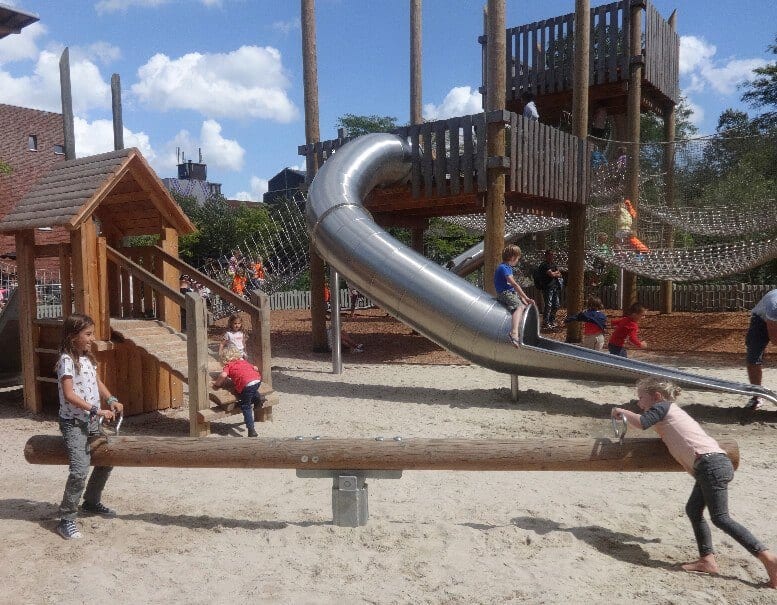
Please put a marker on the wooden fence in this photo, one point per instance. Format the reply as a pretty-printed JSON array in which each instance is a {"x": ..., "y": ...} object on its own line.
[
  {"x": 449, "y": 157},
  {"x": 540, "y": 55}
]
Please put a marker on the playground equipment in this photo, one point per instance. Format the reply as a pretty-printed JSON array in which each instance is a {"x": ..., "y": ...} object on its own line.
[
  {"x": 349, "y": 462},
  {"x": 443, "y": 307}
]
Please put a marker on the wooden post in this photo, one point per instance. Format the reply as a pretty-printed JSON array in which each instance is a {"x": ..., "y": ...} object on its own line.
[
  {"x": 495, "y": 100},
  {"x": 577, "y": 214},
  {"x": 415, "y": 62},
  {"x": 197, "y": 357},
  {"x": 312, "y": 136},
  {"x": 633, "y": 109},
  {"x": 84, "y": 250},
  {"x": 596, "y": 455},
  {"x": 66, "y": 280},
  {"x": 67, "y": 106},
  {"x": 669, "y": 190},
  {"x": 169, "y": 311},
  {"x": 118, "y": 124},
  {"x": 259, "y": 343},
  {"x": 104, "y": 313},
  {"x": 417, "y": 237},
  {"x": 28, "y": 331}
]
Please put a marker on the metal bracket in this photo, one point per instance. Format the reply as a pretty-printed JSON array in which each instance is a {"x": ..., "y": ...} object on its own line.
[{"x": 349, "y": 492}]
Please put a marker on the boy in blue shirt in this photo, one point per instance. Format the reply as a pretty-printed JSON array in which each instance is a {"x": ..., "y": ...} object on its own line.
[{"x": 508, "y": 292}]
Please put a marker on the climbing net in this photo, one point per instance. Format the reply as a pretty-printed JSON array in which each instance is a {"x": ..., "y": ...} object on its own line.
[
  {"x": 280, "y": 245},
  {"x": 711, "y": 216}
]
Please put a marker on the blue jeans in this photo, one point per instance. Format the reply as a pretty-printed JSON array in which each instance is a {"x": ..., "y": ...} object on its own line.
[
  {"x": 76, "y": 434},
  {"x": 756, "y": 340},
  {"x": 249, "y": 395},
  {"x": 713, "y": 473},
  {"x": 552, "y": 295}
]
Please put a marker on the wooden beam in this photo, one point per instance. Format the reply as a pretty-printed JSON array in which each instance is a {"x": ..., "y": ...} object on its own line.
[
  {"x": 169, "y": 311},
  {"x": 597, "y": 455},
  {"x": 28, "y": 331},
  {"x": 197, "y": 358},
  {"x": 51, "y": 250}
]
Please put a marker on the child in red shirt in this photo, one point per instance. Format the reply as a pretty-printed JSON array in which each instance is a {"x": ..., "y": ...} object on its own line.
[
  {"x": 626, "y": 328},
  {"x": 246, "y": 380}
]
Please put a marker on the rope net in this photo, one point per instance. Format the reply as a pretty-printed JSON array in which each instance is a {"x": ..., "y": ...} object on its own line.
[{"x": 713, "y": 215}]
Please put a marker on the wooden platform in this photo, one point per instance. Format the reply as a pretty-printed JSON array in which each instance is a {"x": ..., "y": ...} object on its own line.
[{"x": 169, "y": 347}]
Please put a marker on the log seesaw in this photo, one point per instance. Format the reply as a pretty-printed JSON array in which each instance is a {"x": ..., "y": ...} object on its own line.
[{"x": 349, "y": 462}]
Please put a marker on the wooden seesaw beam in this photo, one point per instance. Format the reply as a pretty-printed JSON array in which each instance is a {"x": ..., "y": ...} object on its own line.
[{"x": 596, "y": 455}]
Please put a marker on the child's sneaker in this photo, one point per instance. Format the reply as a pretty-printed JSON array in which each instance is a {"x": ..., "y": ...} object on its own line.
[
  {"x": 753, "y": 404},
  {"x": 68, "y": 530},
  {"x": 253, "y": 434},
  {"x": 359, "y": 348},
  {"x": 98, "y": 509}
]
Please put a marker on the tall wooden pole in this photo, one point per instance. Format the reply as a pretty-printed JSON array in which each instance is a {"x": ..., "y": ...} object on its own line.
[
  {"x": 669, "y": 185},
  {"x": 633, "y": 109},
  {"x": 496, "y": 94},
  {"x": 67, "y": 105},
  {"x": 415, "y": 62},
  {"x": 312, "y": 136},
  {"x": 577, "y": 216},
  {"x": 118, "y": 122}
]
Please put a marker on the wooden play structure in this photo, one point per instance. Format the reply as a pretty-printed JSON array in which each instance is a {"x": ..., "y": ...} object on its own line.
[
  {"x": 132, "y": 293},
  {"x": 498, "y": 161}
]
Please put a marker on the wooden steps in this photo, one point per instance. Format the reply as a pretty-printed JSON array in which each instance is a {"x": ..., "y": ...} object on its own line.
[{"x": 169, "y": 347}]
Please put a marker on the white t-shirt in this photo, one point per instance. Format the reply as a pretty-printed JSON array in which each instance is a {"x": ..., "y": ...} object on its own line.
[
  {"x": 766, "y": 308},
  {"x": 530, "y": 111},
  {"x": 84, "y": 385},
  {"x": 236, "y": 339}
]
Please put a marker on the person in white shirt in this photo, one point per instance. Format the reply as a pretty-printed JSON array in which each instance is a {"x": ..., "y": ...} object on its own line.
[{"x": 529, "y": 107}]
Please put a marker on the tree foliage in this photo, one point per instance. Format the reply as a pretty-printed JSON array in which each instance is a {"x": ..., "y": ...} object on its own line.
[
  {"x": 5, "y": 168},
  {"x": 761, "y": 92},
  {"x": 355, "y": 125}
]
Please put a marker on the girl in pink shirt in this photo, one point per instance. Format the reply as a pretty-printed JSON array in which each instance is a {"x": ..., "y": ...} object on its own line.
[{"x": 703, "y": 458}]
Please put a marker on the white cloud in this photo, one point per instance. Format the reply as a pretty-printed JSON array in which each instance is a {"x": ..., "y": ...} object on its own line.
[
  {"x": 699, "y": 65},
  {"x": 99, "y": 52},
  {"x": 694, "y": 52},
  {"x": 248, "y": 82},
  {"x": 697, "y": 113},
  {"x": 97, "y": 137},
  {"x": 460, "y": 101},
  {"x": 220, "y": 152},
  {"x": 286, "y": 27},
  {"x": 41, "y": 90},
  {"x": 114, "y": 6},
  {"x": 22, "y": 46},
  {"x": 258, "y": 189},
  {"x": 217, "y": 151}
]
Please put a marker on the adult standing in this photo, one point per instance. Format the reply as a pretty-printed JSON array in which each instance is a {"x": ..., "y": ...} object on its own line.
[
  {"x": 552, "y": 283},
  {"x": 529, "y": 106},
  {"x": 762, "y": 331}
]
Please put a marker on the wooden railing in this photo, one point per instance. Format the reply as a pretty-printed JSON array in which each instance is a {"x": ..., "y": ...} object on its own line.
[
  {"x": 662, "y": 48},
  {"x": 258, "y": 311},
  {"x": 540, "y": 55},
  {"x": 547, "y": 163},
  {"x": 449, "y": 157}
]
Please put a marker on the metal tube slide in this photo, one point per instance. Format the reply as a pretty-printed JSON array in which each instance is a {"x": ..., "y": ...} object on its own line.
[{"x": 443, "y": 307}]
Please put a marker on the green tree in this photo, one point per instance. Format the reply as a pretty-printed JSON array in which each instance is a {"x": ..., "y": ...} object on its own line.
[
  {"x": 5, "y": 168},
  {"x": 355, "y": 125},
  {"x": 761, "y": 92}
]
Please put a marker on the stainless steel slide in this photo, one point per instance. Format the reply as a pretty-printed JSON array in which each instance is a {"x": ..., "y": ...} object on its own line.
[{"x": 443, "y": 307}]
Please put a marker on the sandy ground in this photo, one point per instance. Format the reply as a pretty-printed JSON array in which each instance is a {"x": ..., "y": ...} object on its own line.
[{"x": 212, "y": 536}]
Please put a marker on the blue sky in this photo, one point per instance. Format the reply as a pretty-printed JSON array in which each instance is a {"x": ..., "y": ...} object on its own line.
[{"x": 226, "y": 75}]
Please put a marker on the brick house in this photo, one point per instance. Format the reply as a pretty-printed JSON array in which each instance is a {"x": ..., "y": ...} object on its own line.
[{"x": 31, "y": 142}]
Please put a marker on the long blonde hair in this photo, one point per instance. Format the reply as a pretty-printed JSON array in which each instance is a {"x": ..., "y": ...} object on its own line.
[
  {"x": 653, "y": 384},
  {"x": 71, "y": 328}
]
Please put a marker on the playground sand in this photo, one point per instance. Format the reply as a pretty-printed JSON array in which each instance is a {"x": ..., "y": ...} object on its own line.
[{"x": 211, "y": 536}]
